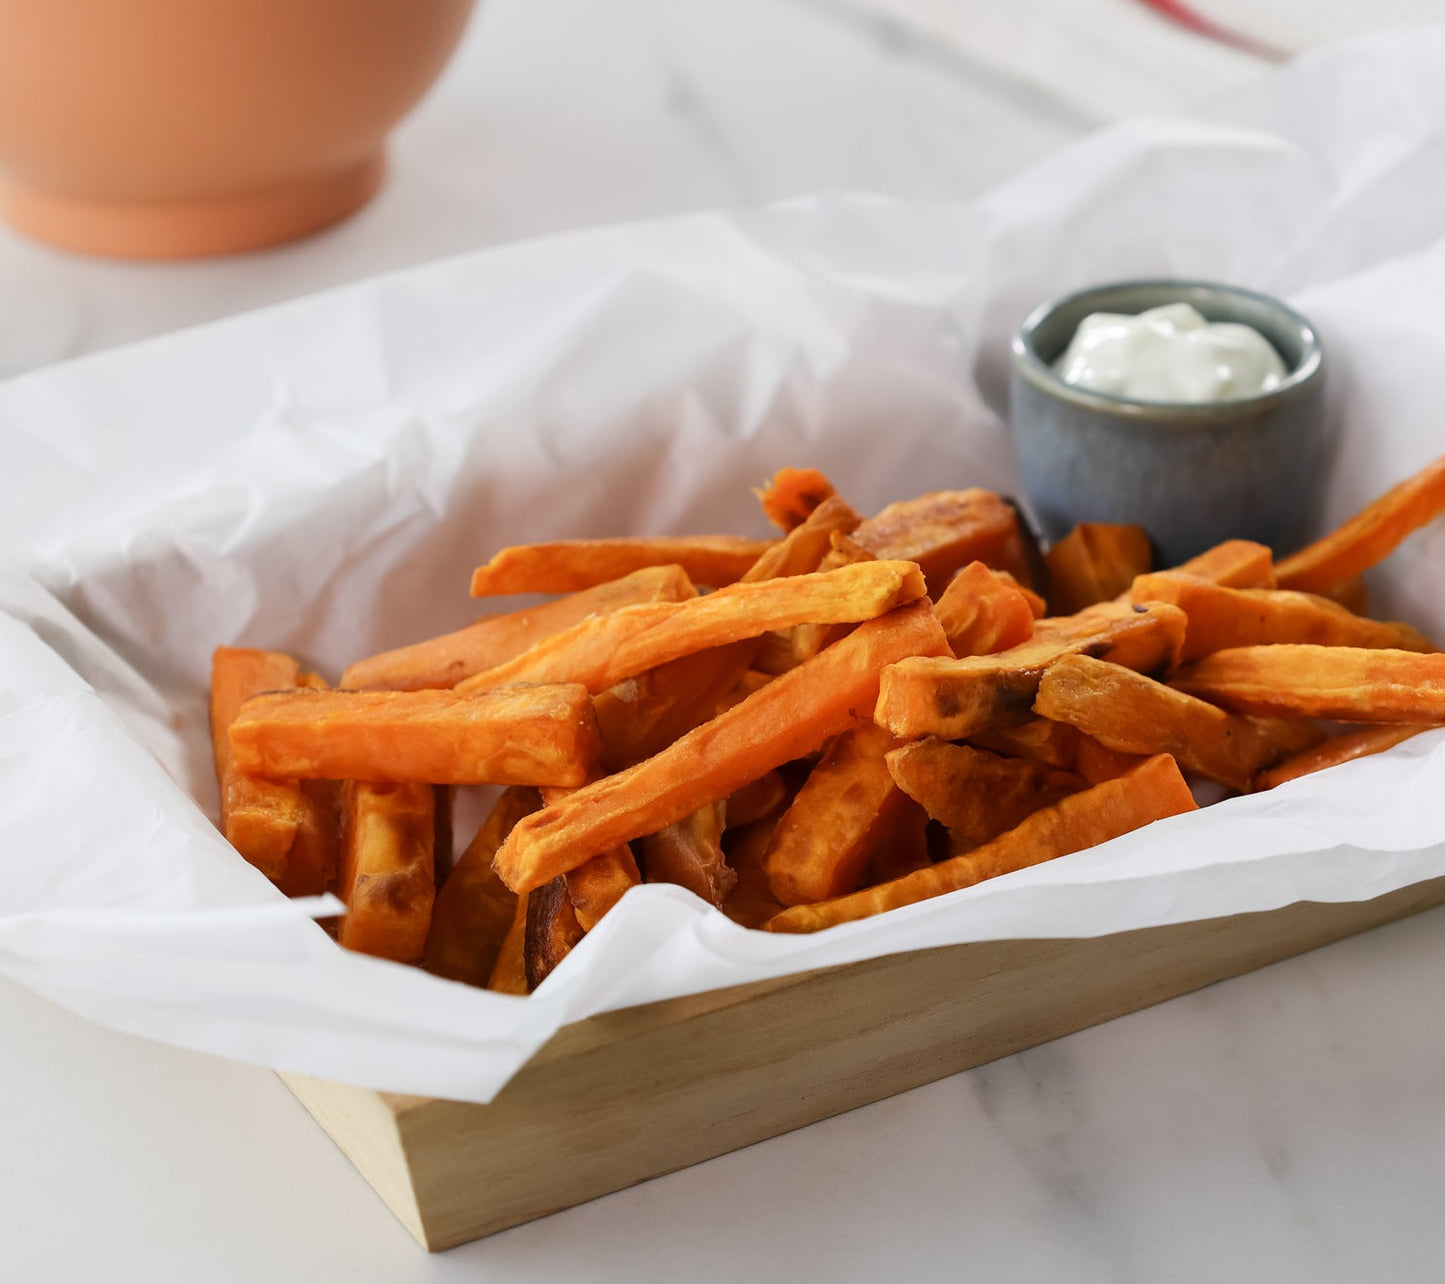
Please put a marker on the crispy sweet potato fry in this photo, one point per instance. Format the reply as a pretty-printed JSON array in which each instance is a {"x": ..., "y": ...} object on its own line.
[
  {"x": 1369, "y": 536},
  {"x": 1342, "y": 683},
  {"x": 1134, "y": 714},
  {"x": 978, "y": 795},
  {"x": 788, "y": 718},
  {"x": 750, "y": 903},
  {"x": 567, "y": 566},
  {"x": 288, "y": 832},
  {"x": 1337, "y": 749},
  {"x": 954, "y": 699},
  {"x": 596, "y": 885},
  {"x": 552, "y": 930},
  {"x": 1051, "y": 743},
  {"x": 606, "y": 649},
  {"x": 807, "y": 544},
  {"x": 1236, "y": 563},
  {"x": 388, "y": 879},
  {"x": 444, "y": 661},
  {"x": 1094, "y": 562},
  {"x": 1221, "y": 617},
  {"x": 509, "y": 976},
  {"x": 765, "y": 796},
  {"x": 946, "y": 530},
  {"x": 544, "y": 735},
  {"x": 902, "y": 850},
  {"x": 642, "y": 715},
  {"x": 983, "y": 611},
  {"x": 1150, "y": 792},
  {"x": 792, "y": 496},
  {"x": 474, "y": 909},
  {"x": 689, "y": 854},
  {"x": 848, "y": 805}
]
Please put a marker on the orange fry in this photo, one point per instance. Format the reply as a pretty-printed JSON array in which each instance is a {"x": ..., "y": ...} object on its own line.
[
  {"x": 1341, "y": 683},
  {"x": 792, "y": 496},
  {"x": 983, "y": 611},
  {"x": 1345, "y": 747},
  {"x": 444, "y": 661},
  {"x": 1221, "y": 617},
  {"x": 474, "y": 909},
  {"x": 1150, "y": 792},
  {"x": 606, "y": 649},
  {"x": 1094, "y": 562},
  {"x": 978, "y": 795},
  {"x": 388, "y": 872},
  {"x": 946, "y": 530},
  {"x": 518, "y": 736},
  {"x": 1236, "y": 563},
  {"x": 596, "y": 885},
  {"x": 1369, "y": 536},
  {"x": 953, "y": 699},
  {"x": 509, "y": 975},
  {"x": 642, "y": 715},
  {"x": 846, "y": 807},
  {"x": 566, "y": 566},
  {"x": 1128, "y": 712},
  {"x": 689, "y": 853},
  {"x": 288, "y": 832},
  {"x": 552, "y": 931},
  {"x": 791, "y": 716}
]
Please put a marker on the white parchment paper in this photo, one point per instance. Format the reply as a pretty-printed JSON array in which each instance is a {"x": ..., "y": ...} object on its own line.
[{"x": 321, "y": 478}]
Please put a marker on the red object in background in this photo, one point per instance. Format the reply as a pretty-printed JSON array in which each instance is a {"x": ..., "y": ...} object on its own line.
[{"x": 1182, "y": 14}]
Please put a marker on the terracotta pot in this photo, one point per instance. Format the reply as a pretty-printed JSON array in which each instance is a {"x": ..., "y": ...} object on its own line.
[{"x": 176, "y": 128}]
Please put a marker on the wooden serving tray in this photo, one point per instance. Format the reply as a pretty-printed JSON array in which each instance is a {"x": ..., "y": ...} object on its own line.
[{"x": 629, "y": 1095}]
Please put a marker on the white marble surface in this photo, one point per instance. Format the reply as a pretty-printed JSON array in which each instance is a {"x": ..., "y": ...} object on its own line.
[{"x": 1289, "y": 1125}]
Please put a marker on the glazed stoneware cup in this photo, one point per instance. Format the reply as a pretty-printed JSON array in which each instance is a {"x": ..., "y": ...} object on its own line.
[
  {"x": 1191, "y": 474},
  {"x": 176, "y": 128}
]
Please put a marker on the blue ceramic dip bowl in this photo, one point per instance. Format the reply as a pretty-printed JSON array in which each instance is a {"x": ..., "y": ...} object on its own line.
[{"x": 1191, "y": 474}]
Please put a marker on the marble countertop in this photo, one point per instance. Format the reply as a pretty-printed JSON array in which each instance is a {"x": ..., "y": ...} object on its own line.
[{"x": 1286, "y": 1125}]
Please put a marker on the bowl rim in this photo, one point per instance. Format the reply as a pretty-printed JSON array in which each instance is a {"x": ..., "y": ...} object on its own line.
[{"x": 1041, "y": 373}]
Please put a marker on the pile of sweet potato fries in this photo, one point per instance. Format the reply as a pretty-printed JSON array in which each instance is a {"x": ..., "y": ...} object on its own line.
[{"x": 858, "y": 715}]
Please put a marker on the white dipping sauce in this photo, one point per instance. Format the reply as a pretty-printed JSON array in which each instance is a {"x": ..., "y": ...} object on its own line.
[{"x": 1169, "y": 354}]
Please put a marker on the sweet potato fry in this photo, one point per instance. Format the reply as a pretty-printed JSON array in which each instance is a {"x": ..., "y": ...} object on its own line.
[
  {"x": 847, "y": 806},
  {"x": 806, "y": 640},
  {"x": 509, "y": 976},
  {"x": 1342, "y": 683},
  {"x": 953, "y": 699},
  {"x": 643, "y": 715},
  {"x": 1369, "y": 536},
  {"x": 902, "y": 850},
  {"x": 444, "y": 661},
  {"x": 1153, "y": 790},
  {"x": 567, "y": 566},
  {"x": 1096, "y": 762},
  {"x": 388, "y": 877},
  {"x": 765, "y": 796},
  {"x": 750, "y": 903},
  {"x": 792, "y": 495},
  {"x": 790, "y": 717},
  {"x": 689, "y": 854},
  {"x": 946, "y": 530},
  {"x": 596, "y": 885},
  {"x": 544, "y": 735},
  {"x": 983, "y": 611},
  {"x": 1094, "y": 562},
  {"x": 1236, "y": 563},
  {"x": 804, "y": 548},
  {"x": 978, "y": 795},
  {"x": 1037, "y": 739},
  {"x": 552, "y": 930},
  {"x": 286, "y": 831},
  {"x": 1353, "y": 594},
  {"x": 1221, "y": 617},
  {"x": 1336, "y": 749},
  {"x": 604, "y": 650},
  {"x": 1134, "y": 714},
  {"x": 474, "y": 909}
]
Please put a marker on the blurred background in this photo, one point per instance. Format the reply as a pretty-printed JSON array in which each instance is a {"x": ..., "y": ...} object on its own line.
[{"x": 560, "y": 114}]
